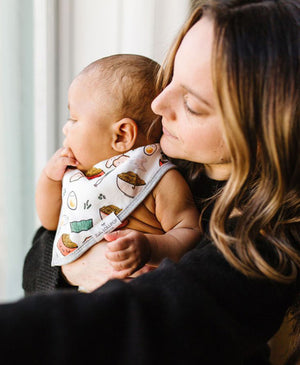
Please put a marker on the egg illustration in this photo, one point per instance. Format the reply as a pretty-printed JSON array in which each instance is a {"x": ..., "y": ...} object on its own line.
[
  {"x": 150, "y": 149},
  {"x": 72, "y": 200}
]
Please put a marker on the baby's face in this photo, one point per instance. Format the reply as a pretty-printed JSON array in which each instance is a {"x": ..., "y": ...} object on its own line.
[{"x": 89, "y": 129}]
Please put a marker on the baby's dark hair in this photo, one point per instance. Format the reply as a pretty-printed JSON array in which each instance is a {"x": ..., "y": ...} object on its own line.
[{"x": 131, "y": 81}]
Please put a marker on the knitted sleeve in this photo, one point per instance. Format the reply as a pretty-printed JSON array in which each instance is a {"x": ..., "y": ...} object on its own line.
[{"x": 38, "y": 274}]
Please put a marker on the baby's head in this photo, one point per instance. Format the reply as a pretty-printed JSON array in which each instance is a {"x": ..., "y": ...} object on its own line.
[
  {"x": 110, "y": 108},
  {"x": 130, "y": 80}
]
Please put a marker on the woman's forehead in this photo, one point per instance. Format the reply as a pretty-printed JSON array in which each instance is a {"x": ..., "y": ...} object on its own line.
[
  {"x": 196, "y": 46},
  {"x": 193, "y": 59}
]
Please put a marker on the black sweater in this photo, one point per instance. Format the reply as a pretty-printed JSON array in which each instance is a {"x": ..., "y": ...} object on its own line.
[{"x": 198, "y": 311}]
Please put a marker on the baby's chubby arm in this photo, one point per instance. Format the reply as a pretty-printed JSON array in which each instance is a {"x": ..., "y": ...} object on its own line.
[
  {"x": 129, "y": 250},
  {"x": 48, "y": 190}
]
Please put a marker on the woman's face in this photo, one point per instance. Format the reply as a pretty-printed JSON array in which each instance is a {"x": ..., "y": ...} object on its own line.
[{"x": 191, "y": 123}]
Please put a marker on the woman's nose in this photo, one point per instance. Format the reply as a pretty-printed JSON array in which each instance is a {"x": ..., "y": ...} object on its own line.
[{"x": 162, "y": 104}]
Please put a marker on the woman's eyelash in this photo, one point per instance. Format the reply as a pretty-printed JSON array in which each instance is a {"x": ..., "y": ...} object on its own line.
[{"x": 189, "y": 110}]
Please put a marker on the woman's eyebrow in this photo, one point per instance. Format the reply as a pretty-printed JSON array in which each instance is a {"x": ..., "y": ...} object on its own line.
[{"x": 199, "y": 97}]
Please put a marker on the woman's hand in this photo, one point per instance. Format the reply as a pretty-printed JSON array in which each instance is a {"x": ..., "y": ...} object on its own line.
[
  {"x": 90, "y": 270},
  {"x": 127, "y": 252}
]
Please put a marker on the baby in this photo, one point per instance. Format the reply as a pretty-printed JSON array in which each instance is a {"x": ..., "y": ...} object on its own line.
[{"x": 110, "y": 181}]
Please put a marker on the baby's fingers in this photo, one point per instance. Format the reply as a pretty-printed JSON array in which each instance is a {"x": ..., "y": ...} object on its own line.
[
  {"x": 117, "y": 235},
  {"x": 119, "y": 244},
  {"x": 67, "y": 157},
  {"x": 66, "y": 152},
  {"x": 117, "y": 256},
  {"x": 122, "y": 274},
  {"x": 127, "y": 266},
  {"x": 69, "y": 161}
]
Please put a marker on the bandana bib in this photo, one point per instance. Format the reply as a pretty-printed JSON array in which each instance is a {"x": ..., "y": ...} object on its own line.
[{"x": 98, "y": 201}]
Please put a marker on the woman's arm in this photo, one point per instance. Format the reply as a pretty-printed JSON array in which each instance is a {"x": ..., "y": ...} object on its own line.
[
  {"x": 38, "y": 274},
  {"x": 199, "y": 310}
]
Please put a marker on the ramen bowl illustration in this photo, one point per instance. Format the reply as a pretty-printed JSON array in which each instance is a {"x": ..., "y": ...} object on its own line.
[
  {"x": 65, "y": 245},
  {"x": 130, "y": 183},
  {"x": 106, "y": 210}
]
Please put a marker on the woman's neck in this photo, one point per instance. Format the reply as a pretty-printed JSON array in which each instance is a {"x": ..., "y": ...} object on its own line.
[{"x": 218, "y": 171}]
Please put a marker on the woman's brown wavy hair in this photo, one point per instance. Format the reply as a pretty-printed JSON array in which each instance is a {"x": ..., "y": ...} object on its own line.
[{"x": 256, "y": 68}]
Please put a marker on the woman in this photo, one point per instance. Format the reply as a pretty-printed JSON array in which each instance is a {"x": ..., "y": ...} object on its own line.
[{"x": 230, "y": 104}]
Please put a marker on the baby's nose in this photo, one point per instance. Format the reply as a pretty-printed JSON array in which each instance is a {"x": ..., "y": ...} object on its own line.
[{"x": 65, "y": 128}]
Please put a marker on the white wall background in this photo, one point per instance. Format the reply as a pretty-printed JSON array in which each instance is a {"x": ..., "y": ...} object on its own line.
[
  {"x": 43, "y": 45},
  {"x": 16, "y": 142}
]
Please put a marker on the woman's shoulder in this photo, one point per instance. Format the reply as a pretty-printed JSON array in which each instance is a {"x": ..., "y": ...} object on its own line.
[
  {"x": 243, "y": 296},
  {"x": 204, "y": 187}
]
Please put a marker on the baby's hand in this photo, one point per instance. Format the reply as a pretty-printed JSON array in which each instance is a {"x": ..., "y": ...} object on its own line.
[
  {"x": 58, "y": 163},
  {"x": 127, "y": 252}
]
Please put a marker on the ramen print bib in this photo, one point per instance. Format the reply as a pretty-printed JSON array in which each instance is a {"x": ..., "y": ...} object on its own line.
[{"x": 99, "y": 201}]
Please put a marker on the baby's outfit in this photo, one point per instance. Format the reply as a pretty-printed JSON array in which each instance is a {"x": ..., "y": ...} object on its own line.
[{"x": 99, "y": 201}]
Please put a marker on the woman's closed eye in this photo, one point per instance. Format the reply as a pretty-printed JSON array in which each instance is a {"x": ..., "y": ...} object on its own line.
[{"x": 192, "y": 109}]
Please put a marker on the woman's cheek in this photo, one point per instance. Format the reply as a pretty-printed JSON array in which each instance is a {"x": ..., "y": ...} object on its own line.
[
  {"x": 171, "y": 148},
  {"x": 165, "y": 146}
]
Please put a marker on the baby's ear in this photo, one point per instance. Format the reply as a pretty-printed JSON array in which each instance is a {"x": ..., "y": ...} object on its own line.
[{"x": 125, "y": 135}]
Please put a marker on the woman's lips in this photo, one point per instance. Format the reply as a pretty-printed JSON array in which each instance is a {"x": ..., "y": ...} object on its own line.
[{"x": 167, "y": 133}]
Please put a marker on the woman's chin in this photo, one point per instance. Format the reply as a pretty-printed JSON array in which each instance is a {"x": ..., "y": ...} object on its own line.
[{"x": 168, "y": 148}]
